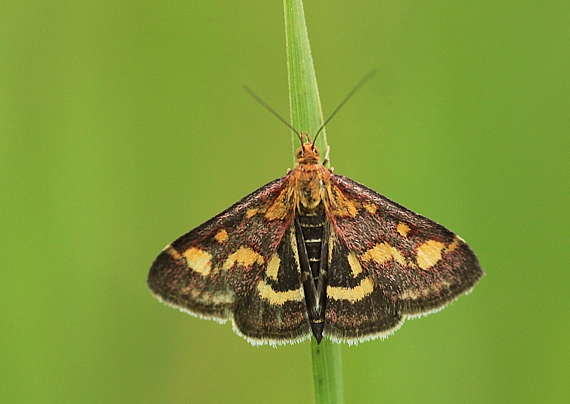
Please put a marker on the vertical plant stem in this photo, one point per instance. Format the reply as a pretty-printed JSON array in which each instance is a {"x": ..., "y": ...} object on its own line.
[
  {"x": 327, "y": 372},
  {"x": 306, "y": 115},
  {"x": 304, "y": 101}
]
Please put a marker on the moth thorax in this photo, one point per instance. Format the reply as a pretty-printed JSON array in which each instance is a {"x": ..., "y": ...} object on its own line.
[{"x": 310, "y": 191}]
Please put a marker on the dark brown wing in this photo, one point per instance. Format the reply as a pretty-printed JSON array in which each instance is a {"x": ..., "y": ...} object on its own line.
[
  {"x": 388, "y": 263},
  {"x": 239, "y": 265}
]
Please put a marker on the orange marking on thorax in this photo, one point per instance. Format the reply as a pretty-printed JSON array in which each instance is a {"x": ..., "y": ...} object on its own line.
[{"x": 310, "y": 179}]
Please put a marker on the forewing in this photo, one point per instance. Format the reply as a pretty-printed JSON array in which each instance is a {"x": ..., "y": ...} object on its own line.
[
  {"x": 388, "y": 263},
  {"x": 239, "y": 265}
]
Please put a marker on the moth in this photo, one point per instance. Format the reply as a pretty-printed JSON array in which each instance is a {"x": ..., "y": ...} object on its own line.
[{"x": 314, "y": 253}]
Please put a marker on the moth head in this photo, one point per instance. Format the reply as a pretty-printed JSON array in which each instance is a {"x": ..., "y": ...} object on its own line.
[{"x": 308, "y": 153}]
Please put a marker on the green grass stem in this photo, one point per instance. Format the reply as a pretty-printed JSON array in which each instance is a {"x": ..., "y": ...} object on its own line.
[
  {"x": 306, "y": 115},
  {"x": 304, "y": 101}
]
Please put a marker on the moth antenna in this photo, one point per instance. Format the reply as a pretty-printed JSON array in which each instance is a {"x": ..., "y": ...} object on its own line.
[
  {"x": 363, "y": 80},
  {"x": 267, "y": 107}
]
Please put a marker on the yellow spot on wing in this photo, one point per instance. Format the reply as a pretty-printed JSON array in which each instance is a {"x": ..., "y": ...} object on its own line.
[
  {"x": 173, "y": 253},
  {"x": 429, "y": 253},
  {"x": 426, "y": 291},
  {"x": 198, "y": 260},
  {"x": 364, "y": 288},
  {"x": 456, "y": 242},
  {"x": 244, "y": 256},
  {"x": 341, "y": 205},
  {"x": 383, "y": 252},
  {"x": 354, "y": 264},
  {"x": 410, "y": 294},
  {"x": 221, "y": 236},
  {"x": 266, "y": 292},
  {"x": 370, "y": 207},
  {"x": 403, "y": 229},
  {"x": 273, "y": 267},
  {"x": 250, "y": 213},
  {"x": 279, "y": 209},
  {"x": 224, "y": 297}
]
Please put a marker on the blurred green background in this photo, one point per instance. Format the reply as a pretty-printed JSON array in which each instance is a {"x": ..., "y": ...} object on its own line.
[{"x": 124, "y": 124}]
